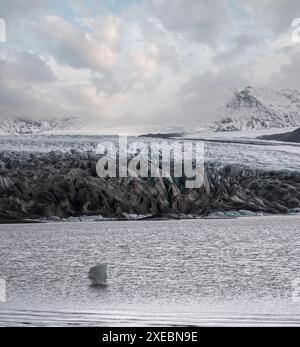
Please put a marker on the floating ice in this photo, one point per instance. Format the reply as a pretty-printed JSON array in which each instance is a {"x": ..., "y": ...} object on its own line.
[{"x": 98, "y": 274}]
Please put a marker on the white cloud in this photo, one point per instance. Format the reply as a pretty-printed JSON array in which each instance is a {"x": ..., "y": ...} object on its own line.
[
  {"x": 149, "y": 61},
  {"x": 200, "y": 20},
  {"x": 146, "y": 62},
  {"x": 274, "y": 15},
  {"x": 70, "y": 45},
  {"x": 25, "y": 67}
]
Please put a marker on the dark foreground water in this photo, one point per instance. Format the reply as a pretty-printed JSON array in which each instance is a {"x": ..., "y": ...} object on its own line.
[{"x": 195, "y": 272}]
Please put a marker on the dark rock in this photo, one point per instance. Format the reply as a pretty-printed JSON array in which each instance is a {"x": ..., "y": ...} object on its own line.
[{"x": 293, "y": 136}]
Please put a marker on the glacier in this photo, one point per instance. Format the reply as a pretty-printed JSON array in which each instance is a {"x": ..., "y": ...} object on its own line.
[
  {"x": 51, "y": 176},
  {"x": 47, "y": 172}
]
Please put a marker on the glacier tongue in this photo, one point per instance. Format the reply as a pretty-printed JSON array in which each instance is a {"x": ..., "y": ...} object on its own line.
[{"x": 55, "y": 176}]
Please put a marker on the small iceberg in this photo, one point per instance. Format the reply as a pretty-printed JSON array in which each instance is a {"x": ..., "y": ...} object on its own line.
[{"x": 98, "y": 274}]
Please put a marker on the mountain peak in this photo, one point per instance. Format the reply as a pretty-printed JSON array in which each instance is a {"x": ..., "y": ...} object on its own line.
[
  {"x": 260, "y": 108},
  {"x": 243, "y": 98}
]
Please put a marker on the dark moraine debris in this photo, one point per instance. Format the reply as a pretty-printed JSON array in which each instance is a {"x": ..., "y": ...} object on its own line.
[
  {"x": 164, "y": 135},
  {"x": 293, "y": 136}
]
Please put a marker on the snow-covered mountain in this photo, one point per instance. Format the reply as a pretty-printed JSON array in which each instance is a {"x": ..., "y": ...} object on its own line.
[
  {"x": 249, "y": 109},
  {"x": 16, "y": 126},
  {"x": 260, "y": 108}
]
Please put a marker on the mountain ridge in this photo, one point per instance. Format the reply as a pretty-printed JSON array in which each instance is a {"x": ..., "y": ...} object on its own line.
[
  {"x": 260, "y": 108},
  {"x": 250, "y": 108},
  {"x": 23, "y": 126}
]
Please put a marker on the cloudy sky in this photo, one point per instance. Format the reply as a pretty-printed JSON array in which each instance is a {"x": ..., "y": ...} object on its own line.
[{"x": 142, "y": 62}]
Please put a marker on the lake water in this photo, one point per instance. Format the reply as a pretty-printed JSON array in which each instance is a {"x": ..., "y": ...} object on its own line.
[{"x": 191, "y": 272}]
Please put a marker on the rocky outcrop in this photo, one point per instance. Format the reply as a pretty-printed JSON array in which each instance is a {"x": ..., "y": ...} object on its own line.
[{"x": 64, "y": 185}]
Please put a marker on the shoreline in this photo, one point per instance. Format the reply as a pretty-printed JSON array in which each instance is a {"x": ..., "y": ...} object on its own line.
[{"x": 81, "y": 219}]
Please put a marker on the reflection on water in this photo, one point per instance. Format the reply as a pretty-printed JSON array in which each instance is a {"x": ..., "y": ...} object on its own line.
[{"x": 211, "y": 272}]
